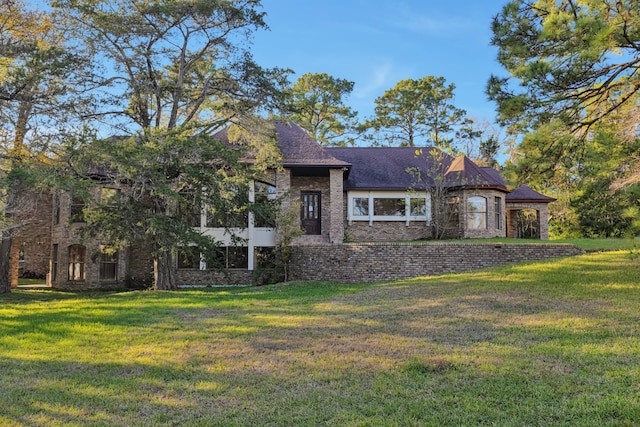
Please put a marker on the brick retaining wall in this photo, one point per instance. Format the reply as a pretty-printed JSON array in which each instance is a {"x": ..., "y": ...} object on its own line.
[{"x": 370, "y": 262}]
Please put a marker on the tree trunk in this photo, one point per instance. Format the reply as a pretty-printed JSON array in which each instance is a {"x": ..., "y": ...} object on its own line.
[
  {"x": 5, "y": 263},
  {"x": 164, "y": 277}
]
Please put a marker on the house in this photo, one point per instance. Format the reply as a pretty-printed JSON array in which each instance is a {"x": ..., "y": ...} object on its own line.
[{"x": 344, "y": 195}]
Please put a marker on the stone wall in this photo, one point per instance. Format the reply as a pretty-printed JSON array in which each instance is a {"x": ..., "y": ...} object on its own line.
[{"x": 351, "y": 263}]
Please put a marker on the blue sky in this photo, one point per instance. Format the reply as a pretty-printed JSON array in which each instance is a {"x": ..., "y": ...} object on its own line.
[{"x": 376, "y": 43}]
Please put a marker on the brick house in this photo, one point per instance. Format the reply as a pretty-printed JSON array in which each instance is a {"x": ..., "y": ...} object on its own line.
[{"x": 344, "y": 195}]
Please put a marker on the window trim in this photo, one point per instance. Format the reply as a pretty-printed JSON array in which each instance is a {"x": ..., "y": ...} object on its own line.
[
  {"x": 474, "y": 212},
  {"x": 408, "y": 196},
  {"x": 111, "y": 260},
  {"x": 498, "y": 212},
  {"x": 81, "y": 263}
]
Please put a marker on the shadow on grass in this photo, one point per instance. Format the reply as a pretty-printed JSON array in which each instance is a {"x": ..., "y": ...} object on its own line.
[{"x": 494, "y": 346}]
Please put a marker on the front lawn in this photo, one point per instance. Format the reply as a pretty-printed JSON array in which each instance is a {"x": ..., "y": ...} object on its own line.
[{"x": 546, "y": 343}]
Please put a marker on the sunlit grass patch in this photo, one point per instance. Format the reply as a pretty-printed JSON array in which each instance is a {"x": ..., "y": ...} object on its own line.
[{"x": 537, "y": 343}]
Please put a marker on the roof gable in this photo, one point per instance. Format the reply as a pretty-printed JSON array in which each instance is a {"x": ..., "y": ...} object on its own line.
[{"x": 464, "y": 172}]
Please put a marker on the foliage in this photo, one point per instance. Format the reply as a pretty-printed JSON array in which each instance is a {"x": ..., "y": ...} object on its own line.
[
  {"x": 581, "y": 174},
  {"x": 316, "y": 103},
  {"x": 40, "y": 83},
  {"x": 177, "y": 71},
  {"x": 288, "y": 228},
  {"x": 416, "y": 109},
  {"x": 544, "y": 343},
  {"x": 576, "y": 61},
  {"x": 444, "y": 202}
]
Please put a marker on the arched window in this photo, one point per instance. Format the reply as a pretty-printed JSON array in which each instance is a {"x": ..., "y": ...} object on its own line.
[
  {"x": 77, "y": 257},
  {"x": 476, "y": 213}
]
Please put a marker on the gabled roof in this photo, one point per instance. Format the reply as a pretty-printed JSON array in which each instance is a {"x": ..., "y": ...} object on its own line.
[
  {"x": 525, "y": 194},
  {"x": 297, "y": 147}
]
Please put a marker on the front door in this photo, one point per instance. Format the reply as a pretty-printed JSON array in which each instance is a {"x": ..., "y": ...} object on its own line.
[{"x": 310, "y": 214}]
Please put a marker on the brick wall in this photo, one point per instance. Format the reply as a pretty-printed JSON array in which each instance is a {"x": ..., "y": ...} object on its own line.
[
  {"x": 366, "y": 262},
  {"x": 384, "y": 231},
  {"x": 32, "y": 233}
]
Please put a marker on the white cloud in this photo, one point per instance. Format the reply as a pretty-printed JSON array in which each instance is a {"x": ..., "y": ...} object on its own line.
[{"x": 377, "y": 80}]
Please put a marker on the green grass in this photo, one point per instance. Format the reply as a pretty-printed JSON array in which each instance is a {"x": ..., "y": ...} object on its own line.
[
  {"x": 589, "y": 245},
  {"x": 26, "y": 282},
  {"x": 534, "y": 344}
]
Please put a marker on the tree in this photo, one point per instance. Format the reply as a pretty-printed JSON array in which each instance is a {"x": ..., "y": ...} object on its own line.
[
  {"x": 588, "y": 204},
  {"x": 316, "y": 103},
  {"x": 39, "y": 80},
  {"x": 174, "y": 73},
  {"x": 416, "y": 109},
  {"x": 575, "y": 61}
]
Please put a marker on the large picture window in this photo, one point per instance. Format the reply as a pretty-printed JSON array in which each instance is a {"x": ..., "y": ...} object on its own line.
[
  {"x": 389, "y": 206},
  {"x": 476, "y": 213}
]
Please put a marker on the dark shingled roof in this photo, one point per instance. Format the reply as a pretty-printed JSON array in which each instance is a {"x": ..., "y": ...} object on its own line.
[
  {"x": 297, "y": 147},
  {"x": 525, "y": 194},
  {"x": 387, "y": 168},
  {"x": 382, "y": 168},
  {"x": 300, "y": 149}
]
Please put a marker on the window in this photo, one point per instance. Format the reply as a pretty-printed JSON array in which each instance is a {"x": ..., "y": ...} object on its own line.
[
  {"x": 498, "y": 211},
  {"x": 188, "y": 259},
  {"x": 229, "y": 257},
  {"x": 264, "y": 257},
  {"x": 56, "y": 208},
  {"x": 360, "y": 206},
  {"x": 389, "y": 206},
  {"x": 237, "y": 257},
  {"x": 265, "y": 204},
  {"x": 77, "y": 256},
  {"x": 230, "y": 212},
  {"x": 77, "y": 209},
  {"x": 54, "y": 262},
  {"x": 108, "y": 265},
  {"x": 418, "y": 206},
  {"x": 453, "y": 211},
  {"x": 189, "y": 208},
  {"x": 477, "y": 213}
]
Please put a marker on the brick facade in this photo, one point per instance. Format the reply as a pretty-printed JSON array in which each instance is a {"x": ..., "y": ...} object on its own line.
[
  {"x": 494, "y": 227},
  {"x": 31, "y": 235}
]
